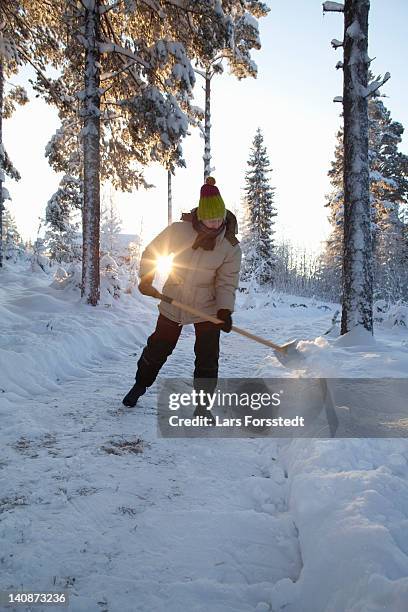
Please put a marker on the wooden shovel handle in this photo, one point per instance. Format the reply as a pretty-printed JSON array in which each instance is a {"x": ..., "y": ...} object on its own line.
[{"x": 238, "y": 330}]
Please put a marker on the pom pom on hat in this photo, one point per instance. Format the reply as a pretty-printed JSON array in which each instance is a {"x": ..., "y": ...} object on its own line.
[{"x": 211, "y": 205}]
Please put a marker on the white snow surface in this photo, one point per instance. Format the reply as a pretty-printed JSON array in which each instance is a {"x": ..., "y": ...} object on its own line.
[{"x": 92, "y": 501}]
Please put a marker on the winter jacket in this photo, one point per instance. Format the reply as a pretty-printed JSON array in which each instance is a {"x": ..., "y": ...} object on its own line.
[{"x": 206, "y": 280}]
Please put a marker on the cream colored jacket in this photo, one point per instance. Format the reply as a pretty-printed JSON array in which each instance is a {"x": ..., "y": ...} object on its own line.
[{"x": 206, "y": 280}]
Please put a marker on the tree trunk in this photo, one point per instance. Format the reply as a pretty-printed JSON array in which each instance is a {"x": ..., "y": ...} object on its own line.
[
  {"x": 91, "y": 148},
  {"x": 357, "y": 307},
  {"x": 1, "y": 162},
  {"x": 169, "y": 199},
  {"x": 207, "y": 126}
]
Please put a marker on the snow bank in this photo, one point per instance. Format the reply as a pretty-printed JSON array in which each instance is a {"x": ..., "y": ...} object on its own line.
[
  {"x": 349, "y": 497},
  {"x": 49, "y": 336},
  {"x": 349, "y": 501}
]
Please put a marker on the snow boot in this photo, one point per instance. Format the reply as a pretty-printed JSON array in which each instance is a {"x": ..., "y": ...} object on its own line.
[
  {"x": 203, "y": 412},
  {"x": 130, "y": 400}
]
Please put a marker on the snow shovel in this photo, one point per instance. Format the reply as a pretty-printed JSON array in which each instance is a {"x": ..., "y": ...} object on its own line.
[{"x": 285, "y": 352}]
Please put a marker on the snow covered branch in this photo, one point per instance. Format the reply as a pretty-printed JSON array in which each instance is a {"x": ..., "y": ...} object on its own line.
[
  {"x": 110, "y": 47},
  {"x": 375, "y": 85},
  {"x": 338, "y": 99},
  {"x": 333, "y": 7},
  {"x": 336, "y": 43},
  {"x": 108, "y": 7}
]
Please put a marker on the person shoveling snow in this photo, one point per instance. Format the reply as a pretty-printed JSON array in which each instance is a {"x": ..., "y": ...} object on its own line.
[{"x": 200, "y": 289}]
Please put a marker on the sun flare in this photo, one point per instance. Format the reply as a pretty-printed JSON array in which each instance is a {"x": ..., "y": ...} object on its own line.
[{"x": 164, "y": 265}]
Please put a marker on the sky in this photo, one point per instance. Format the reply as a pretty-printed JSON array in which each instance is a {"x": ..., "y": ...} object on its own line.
[{"x": 291, "y": 101}]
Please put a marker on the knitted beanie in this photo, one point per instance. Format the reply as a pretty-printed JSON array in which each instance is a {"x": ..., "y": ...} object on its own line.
[{"x": 211, "y": 205}]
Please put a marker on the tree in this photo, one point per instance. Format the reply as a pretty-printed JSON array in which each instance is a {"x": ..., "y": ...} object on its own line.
[
  {"x": 23, "y": 39},
  {"x": 13, "y": 245},
  {"x": 357, "y": 308},
  {"x": 388, "y": 198},
  {"x": 169, "y": 199},
  {"x": 136, "y": 90},
  {"x": 111, "y": 225},
  {"x": 257, "y": 243},
  {"x": 357, "y": 295},
  {"x": 244, "y": 37},
  {"x": 8, "y": 65},
  {"x": 63, "y": 209}
]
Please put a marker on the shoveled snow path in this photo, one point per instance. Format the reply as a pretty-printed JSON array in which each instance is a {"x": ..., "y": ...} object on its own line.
[{"x": 193, "y": 524}]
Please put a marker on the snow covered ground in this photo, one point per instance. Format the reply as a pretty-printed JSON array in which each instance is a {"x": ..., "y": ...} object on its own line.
[{"x": 92, "y": 501}]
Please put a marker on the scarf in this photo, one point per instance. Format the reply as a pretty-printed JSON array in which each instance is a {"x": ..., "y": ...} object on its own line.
[
  {"x": 206, "y": 236},
  {"x": 231, "y": 229}
]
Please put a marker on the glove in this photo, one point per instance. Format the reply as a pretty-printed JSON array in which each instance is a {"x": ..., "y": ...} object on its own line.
[
  {"x": 225, "y": 315},
  {"x": 145, "y": 286}
]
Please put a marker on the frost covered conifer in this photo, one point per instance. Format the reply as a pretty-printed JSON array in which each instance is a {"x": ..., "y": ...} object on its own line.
[
  {"x": 357, "y": 294},
  {"x": 24, "y": 38},
  {"x": 125, "y": 74},
  {"x": 13, "y": 246},
  {"x": 63, "y": 220},
  {"x": 257, "y": 243},
  {"x": 357, "y": 298},
  {"x": 388, "y": 198},
  {"x": 111, "y": 226},
  {"x": 244, "y": 36}
]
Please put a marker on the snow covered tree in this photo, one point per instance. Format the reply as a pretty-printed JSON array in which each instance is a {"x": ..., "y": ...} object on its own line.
[
  {"x": 388, "y": 198},
  {"x": 357, "y": 294},
  {"x": 8, "y": 65},
  {"x": 243, "y": 38},
  {"x": 62, "y": 219},
  {"x": 357, "y": 299},
  {"x": 169, "y": 199},
  {"x": 23, "y": 40},
  {"x": 127, "y": 64},
  {"x": 257, "y": 242},
  {"x": 111, "y": 226},
  {"x": 13, "y": 246}
]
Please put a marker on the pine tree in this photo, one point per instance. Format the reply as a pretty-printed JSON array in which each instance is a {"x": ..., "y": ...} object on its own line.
[
  {"x": 111, "y": 225},
  {"x": 357, "y": 296},
  {"x": 62, "y": 219},
  {"x": 127, "y": 64},
  {"x": 23, "y": 40},
  {"x": 13, "y": 246},
  {"x": 388, "y": 197},
  {"x": 357, "y": 272},
  {"x": 243, "y": 38},
  {"x": 258, "y": 244}
]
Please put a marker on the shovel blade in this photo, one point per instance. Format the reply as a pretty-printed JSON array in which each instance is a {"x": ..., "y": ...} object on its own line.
[{"x": 289, "y": 356}]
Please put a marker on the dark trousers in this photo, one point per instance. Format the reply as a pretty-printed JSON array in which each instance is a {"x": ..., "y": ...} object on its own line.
[{"x": 161, "y": 344}]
